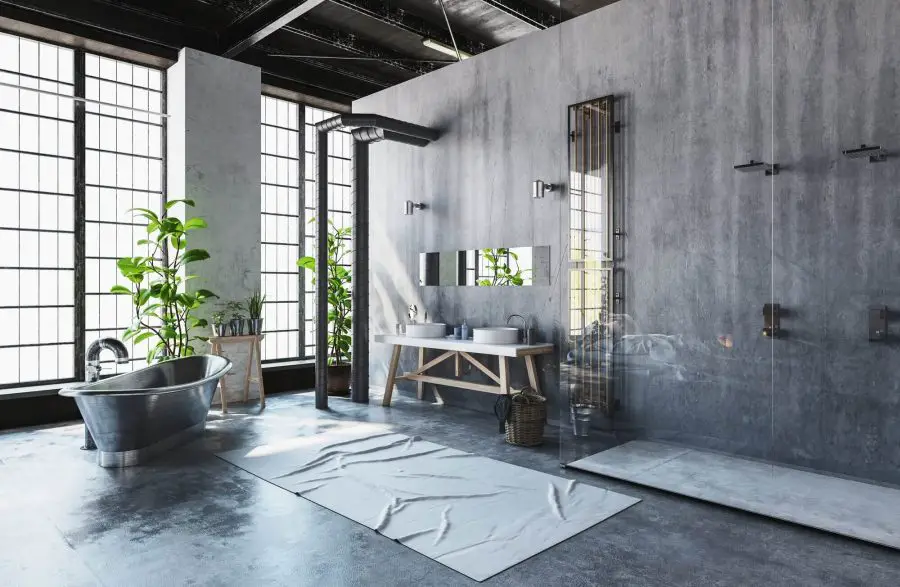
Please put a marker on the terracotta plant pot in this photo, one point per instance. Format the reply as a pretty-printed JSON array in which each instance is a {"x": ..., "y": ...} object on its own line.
[{"x": 338, "y": 379}]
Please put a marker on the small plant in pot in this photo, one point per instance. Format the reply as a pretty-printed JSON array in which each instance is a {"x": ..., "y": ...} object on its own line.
[
  {"x": 236, "y": 323},
  {"x": 254, "y": 309},
  {"x": 339, "y": 309},
  {"x": 220, "y": 328}
]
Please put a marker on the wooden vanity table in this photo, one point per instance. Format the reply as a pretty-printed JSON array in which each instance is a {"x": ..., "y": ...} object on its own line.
[{"x": 460, "y": 350}]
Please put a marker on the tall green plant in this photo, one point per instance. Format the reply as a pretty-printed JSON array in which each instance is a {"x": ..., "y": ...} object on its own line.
[
  {"x": 340, "y": 317},
  {"x": 162, "y": 309},
  {"x": 503, "y": 268}
]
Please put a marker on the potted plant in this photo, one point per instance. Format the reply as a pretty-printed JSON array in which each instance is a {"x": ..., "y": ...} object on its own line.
[
  {"x": 163, "y": 310},
  {"x": 219, "y": 326},
  {"x": 339, "y": 310},
  {"x": 254, "y": 309},
  {"x": 236, "y": 323}
]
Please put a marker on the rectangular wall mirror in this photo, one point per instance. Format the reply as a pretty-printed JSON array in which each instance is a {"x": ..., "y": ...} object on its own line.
[{"x": 497, "y": 267}]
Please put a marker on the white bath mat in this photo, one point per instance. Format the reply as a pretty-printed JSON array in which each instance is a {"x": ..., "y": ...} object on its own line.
[
  {"x": 475, "y": 515},
  {"x": 851, "y": 508}
]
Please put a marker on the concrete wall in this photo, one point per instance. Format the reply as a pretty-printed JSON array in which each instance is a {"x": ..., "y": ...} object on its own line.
[
  {"x": 214, "y": 159},
  {"x": 701, "y": 85}
]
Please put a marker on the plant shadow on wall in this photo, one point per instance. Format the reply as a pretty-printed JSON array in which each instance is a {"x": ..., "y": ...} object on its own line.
[
  {"x": 340, "y": 317},
  {"x": 162, "y": 308},
  {"x": 502, "y": 269}
]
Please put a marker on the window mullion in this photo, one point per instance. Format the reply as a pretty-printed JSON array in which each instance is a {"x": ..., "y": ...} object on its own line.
[{"x": 79, "y": 214}]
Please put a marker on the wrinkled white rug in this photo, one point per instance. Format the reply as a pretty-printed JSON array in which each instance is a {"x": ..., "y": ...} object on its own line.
[{"x": 475, "y": 515}]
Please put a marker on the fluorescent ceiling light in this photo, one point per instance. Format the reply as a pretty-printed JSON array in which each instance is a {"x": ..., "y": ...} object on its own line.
[{"x": 445, "y": 49}]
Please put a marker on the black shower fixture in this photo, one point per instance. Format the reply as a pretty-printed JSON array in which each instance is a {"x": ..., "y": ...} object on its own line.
[
  {"x": 878, "y": 323},
  {"x": 771, "y": 320},
  {"x": 769, "y": 168},
  {"x": 874, "y": 153}
]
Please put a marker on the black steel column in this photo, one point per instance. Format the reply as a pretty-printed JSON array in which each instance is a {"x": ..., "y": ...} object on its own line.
[
  {"x": 322, "y": 271},
  {"x": 359, "y": 391}
]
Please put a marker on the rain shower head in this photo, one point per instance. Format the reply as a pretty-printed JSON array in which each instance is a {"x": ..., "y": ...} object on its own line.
[
  {"x": 874, "y": 153},
  {"x": 770, "y": 169}
]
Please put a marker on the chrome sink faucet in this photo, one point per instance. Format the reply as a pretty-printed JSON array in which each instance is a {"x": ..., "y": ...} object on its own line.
[
  {"x": 92, "y": 356},
  {"x": 526, "y": 327},
  {"x": 92, "y": 371}
]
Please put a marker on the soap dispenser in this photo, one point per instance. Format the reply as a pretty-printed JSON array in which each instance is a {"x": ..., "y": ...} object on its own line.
[{"x": 464, "y": 331}]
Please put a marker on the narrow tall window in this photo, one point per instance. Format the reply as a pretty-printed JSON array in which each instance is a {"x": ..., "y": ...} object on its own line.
[
  {"x": 280, "y": 206},
  {"x": 340, "y": 199},
  {"x": 37, "y": 261},
  {"x": 123, "y": 170}
]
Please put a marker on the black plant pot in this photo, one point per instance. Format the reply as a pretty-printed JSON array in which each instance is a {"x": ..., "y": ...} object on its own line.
[
  {"x": 237, "y": 327},
  {"x": 338, "y": 379}
]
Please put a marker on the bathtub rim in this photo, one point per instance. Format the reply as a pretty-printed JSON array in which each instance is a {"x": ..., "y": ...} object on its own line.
[{"x": 79, "y": 390}]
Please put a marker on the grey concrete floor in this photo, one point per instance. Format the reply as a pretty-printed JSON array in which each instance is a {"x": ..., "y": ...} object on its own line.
[{"x": 192, "y": 519}]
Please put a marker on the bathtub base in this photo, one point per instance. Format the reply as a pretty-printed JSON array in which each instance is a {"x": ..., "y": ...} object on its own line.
[{"x": 130, "y": 458}]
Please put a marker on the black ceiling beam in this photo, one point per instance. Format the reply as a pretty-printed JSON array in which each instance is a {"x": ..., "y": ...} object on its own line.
[
  {"x": 403, "y": 20},
  {"x": 526, "y": 13},
  {"x": 258, "y": 24},
  {"x": 309, "y": 79},
  {"x": 111, "y": 22},
  {"x": 323, "y": 65},
  {"x": 356, "y": 46}
]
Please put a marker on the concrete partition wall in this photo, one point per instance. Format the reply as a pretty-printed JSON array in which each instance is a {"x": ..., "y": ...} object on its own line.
[
  {"x": 701, "y": 85},
  {"x": 214, "y": 159}
]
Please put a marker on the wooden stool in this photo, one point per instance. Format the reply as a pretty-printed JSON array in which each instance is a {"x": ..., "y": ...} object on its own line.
[{"x": 216, "y": 343}]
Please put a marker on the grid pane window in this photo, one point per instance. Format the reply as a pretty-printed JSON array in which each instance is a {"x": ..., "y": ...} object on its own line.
[
  {"x": 280, "y": 139},
  {"x": 37, "y": 325},
  {"x": 123, "y": 170},
  {"x": 288, "y": 202},
  {"x": 340, "y": 199}
]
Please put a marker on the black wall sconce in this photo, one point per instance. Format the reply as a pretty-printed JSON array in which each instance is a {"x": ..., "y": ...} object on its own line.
[
  {"x": 409, "y": 207},
  {"x": 771, "y": 320},
  {"x": 874, "y": 153},
  {"x": 769, "y": 168},
  {"x": 878, "y": 323}
]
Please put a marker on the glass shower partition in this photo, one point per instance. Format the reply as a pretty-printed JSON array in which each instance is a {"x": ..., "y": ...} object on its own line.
[{"x": 664, "y": 346}]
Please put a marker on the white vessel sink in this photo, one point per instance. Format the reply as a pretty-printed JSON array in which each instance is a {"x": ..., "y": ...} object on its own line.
[
  {"x": 428, "y": 330},
  {"x": 496, "y": 335}
]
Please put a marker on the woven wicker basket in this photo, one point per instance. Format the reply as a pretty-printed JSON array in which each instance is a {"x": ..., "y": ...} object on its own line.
[{"x": 527, "y": 415}]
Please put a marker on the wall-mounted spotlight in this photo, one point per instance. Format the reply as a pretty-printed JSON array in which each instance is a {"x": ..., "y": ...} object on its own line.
[
  {"x": 411, "y": 207},
  {"x": 874, "y": 153},
  {"x": 769, "y": 168},
  {"x": 539, "y": 188}
]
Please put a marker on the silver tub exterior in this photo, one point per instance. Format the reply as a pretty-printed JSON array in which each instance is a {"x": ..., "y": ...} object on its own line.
[{"x": 135, "y": 416}]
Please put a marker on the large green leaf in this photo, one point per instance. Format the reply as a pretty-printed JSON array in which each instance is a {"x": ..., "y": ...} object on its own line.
[
  {"x": 193, "y": 255},
  {"x": 120, "y": 289},
  {"x": 194, "y": 224},
  {"x": 143, "y": 336},
  {"x": 172, "y": 203}
]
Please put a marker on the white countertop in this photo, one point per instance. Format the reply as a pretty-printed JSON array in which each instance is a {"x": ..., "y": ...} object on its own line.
[{"x": 449, "y": 344}]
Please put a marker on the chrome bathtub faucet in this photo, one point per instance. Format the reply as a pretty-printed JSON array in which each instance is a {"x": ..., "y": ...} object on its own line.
[{"x": 92, "y": 371}]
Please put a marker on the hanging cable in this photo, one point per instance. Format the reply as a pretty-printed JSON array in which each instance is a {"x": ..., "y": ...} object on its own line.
[{"x": 450, "y": 28}]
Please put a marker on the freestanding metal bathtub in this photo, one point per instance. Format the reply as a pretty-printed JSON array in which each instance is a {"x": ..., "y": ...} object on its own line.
[{"x": 136, "y": 416}]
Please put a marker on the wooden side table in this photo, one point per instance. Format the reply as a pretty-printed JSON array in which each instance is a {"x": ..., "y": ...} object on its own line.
[{"x": 252, "y": 341}]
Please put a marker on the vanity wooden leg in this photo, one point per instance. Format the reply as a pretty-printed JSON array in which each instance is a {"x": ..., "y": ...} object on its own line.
[
  {"x": 420, "y": 386},
  {"x": 392, "y": 373},
  {"x": 504, "y": 375},
  {"x": 532, "y": 374}
]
